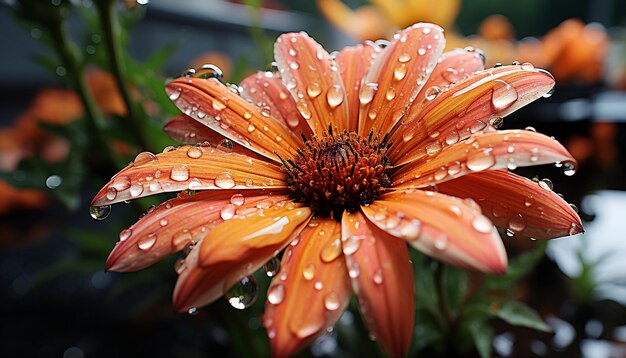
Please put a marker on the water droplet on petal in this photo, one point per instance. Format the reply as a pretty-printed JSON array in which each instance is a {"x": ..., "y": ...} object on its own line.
[
  {"x": 331, "y": 251},
  {"x": 100, "y": 212},
  {"x": 503, "y": 95},
  {"x": 272, "y": 267},
  {"x": 313, "y": 89},
  {"x": 351, "y": 245},
  {"x": 309, "y": 272},
  {"x": 331, "y": 301},
  {"x": 180, "y": 173},
  {"x": 405, "y": 57},
  {"x": 227, "y": 212},
  {"x": 378, "y": 277},
  {"x": 111, "y": 193},
  {"x": 546, "y": 184},
  {"x": 367, "y": 92},
  {"x": 441, "y": 242},
  {"x": 194, "y": 152},
  {"x": 529, "y": 201},
  {"x": 334, "y": 96},
  {"x": 451, "y": 75},
  {"x": 399, "y": 72},
  {"x": 193, "y": 311},
  {"x": 237, "y": 199},
  {"x": 144, "y": 158},
  {"x": 517, "y": 223},
  {"x": 135, "y": 190},
  {"x": 243, "y": 294},
  {"x": 125, "y": 234},
  {"x": 421, "y": 51},
  {"x": 303, "y": 108},
  {"x": 510, "y": 233},
  {"x": 481, "y": 160},
  {"x": 276, "y": 294},
  {"x": 147, "y": 243},
  {"x": 482, "y": 224},
  {"x": 224, "y": 180},
  {"x": 569, "y": 168}
]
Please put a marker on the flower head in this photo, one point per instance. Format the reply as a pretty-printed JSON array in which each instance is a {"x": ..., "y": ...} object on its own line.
[{"x": 339, "y": 162}]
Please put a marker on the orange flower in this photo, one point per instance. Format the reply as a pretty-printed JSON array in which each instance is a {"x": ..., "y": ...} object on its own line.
[{"x": 336, "y": 160}]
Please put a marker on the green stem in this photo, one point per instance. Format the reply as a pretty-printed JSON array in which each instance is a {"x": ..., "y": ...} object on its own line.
[
  {"x": 111, "y": 31},
  {"x": 443, "y": 299},
  {"x": 75, "y": 71}
]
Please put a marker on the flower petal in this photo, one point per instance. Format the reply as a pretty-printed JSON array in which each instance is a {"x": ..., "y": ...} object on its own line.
[
  {"x": 311, "y": 290},
  {"x": 447, "y": 115},
  {"x": 185, "y": 129},
  {"x": 397, "y": 75},
  {"x": 179, "y": 222},
  {"x": 496, "y": 150},
  {"x": 312, "y": 76},
  {"x": 189, "y": 167},
  {"x": 268, "y": 92},
  {"x": 354, "y": 62},
  {"x": 443, "y": 227},
  {"x": 382, "y": 278},
  {"x": 517, "y": 203},
  {"x": 223, "y": 110},
  {"x": 453, "y": 66},
  {"x": 235, "y": 249}
]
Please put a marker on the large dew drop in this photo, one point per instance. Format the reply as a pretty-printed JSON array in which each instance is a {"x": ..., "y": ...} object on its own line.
[
  {"x": 180, "y": 173},
  {"x": 481, "y": 160},
  {"x": 100, "y": 212},
  {"x": 144, "y": 158},
  {"x": 276, "y": 294},
  {"x": 243, "y": 294},
  {"x": 334, "y": 96},
  {"x": 224, "y": 180},
  {"x": 272, "y": 267},
  {"x": 503, "y": 96}
]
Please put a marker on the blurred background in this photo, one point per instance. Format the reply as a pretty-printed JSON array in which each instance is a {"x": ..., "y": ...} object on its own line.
[{"x": 82, "y": 94}]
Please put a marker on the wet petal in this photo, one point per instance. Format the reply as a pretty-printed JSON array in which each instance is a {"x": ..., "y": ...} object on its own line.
[
  {"x": 441, "y": 226},
  {"x": 312, "y": 76},
  {"x": 267, "y": 91},
  {"x": 453, "y": 66},
  {"x": 223, "y": 110},
  {"x": 397, "y": 75},
  {"x": 188, "y": 167},
  {"x": 445, "y": 116},
  {"x": 382, "y": 279},
  {"x": 311, "y": 290},
  {"x": 235, "y": 249},
  {"x": 517, "y": 203},
  {"x": 487, "y": 151},
  {"x": 179, "y": 222},
  {"x": 354, "y": 62}
]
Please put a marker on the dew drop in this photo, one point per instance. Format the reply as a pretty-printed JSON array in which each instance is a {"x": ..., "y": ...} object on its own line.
[
  {"x": 272, "y": 267},
  {"x": 314, "y": 89},
  {"x": 303, "y": 109},
  {"x": 482, "y": 224},
  {"x": 147, "y": 243},
  {"x": 331, "y": 301},
  {"x": 309, "y": 272},
  {"x": 496, "y": 122},
  {"x": 421, "y": 51},
  {"x": 334, "y": 96},
  {"x": 227, "y": 212},
  {"x": 121, "y": 183},
  {"x": 546, "y": 184},
  {"x": 144, "y": 158},
  {"x": 237, "y": 199},
  {"x": 193, "y": 311},
  {"x": 509, "y": 233},
  {"x": 180, "y": 173},
  {"x": 100, "y": 212},
  {"x": 452, "y": 138},
  {"x": 125, "y": 234},
  {"x": 367, "y": 93},
  {"x": 530, "y": 129},
  {"x": 218, "y": 105},
  {"x": 378, "y": 277},
  {"x": 517, "y": 223},
  {"x": 331, "y": 251},
  {"x": 569, "y": 168},
  {"x": 480, "y": 160},
  {"x": 276, "y": 294},
  {"x": 503, "y": 95},
  {"x": 433, "y": 148},
  {"x": 351, "y": 245},
  {"x": 111, "y": 193},
  {"x": 224, "y": 180},
  {"x": 243, "y": 294},
  {"x": 399, "y": 72},
  {"x": 405, "y": 57},
  {"x": 135, "y": 190},
  {"x": 432, "y": 93},
  {"x": 353, "y": 270},
  {"x": 441, "y": 242},
  {"x": 174, "y": 95},
  {"x": 194, "y": 152},
  {"x": 451, "y": 75},
  {"x": 529, "y": 201}
]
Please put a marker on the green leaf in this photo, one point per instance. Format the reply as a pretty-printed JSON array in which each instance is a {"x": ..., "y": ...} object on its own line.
[
  {"x": 518, "y": 314},
  {"x": 426, "y": 332},
  {"x": 482, "y": 335}
]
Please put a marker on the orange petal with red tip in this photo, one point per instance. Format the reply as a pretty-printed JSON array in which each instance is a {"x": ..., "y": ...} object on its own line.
[
  {"x": 397, "y": 75},
  {"x": 179, "y": 222},
  {"x": 487, "y": 151},
  {"x": 267, "y": 91},
  {"x": 189, "y": 167},
  {"x": 440, "y": 226},
  {"x": 313, "y": 79},
  {"x": 235, "y": 249},
  {"x": 311, "y": 290},
  {"x": 222, "y": 109},
  {"x": 354, "y": 62},
  {"x": 517, "y": 203},
  {"x": 382, "y": 279},
  {"x": 443, "y": 116}
]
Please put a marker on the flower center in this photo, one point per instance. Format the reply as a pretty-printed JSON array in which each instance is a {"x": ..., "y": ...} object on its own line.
[{"x": 338, "y": 172}]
